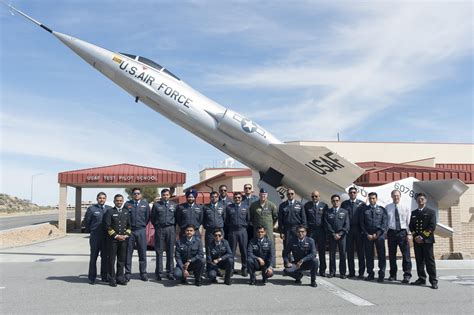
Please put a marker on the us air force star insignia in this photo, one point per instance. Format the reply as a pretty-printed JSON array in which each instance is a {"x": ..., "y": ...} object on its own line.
[{"x": 248, "y": 126}]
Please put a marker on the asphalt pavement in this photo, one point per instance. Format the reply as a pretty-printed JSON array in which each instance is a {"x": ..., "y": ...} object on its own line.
[
  {"x": 10, "y": 222},
  {"x": 51, "y": 277}
]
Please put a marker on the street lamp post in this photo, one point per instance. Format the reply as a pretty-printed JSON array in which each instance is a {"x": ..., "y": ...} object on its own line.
[{"x": 32, "y": 178}]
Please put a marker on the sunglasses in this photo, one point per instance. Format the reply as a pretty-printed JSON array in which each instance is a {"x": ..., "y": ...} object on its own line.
[
  {"x": 352, "y": 192},
  {"x": 217, "y": 235},
  {"x": 290, "y": 193},
  {"x": 223, "y": 190},
  {"x": 314, "y": 196},
  {"x": 136, "y": 193},
  {"x": 247, "y": 187}
]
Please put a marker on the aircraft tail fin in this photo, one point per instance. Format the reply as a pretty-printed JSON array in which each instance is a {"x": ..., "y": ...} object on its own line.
[{"x": 445, "y": 193}]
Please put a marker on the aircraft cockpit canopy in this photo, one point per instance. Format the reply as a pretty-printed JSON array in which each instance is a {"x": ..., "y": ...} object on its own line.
[{"x": 152, "y": 64}]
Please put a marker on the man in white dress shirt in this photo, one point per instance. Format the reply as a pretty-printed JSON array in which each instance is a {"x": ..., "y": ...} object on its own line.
[{"x": 398, "y": 235}]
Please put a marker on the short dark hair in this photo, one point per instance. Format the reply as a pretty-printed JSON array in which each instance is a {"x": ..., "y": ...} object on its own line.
[
  {"x": 237, "y": 193},
  {"x": 101, "y": 194},
  {"x": 334, "y": 196},
  {"x": 259, "y": 227},
  {"x": 165, "y": 190},
  {"x": 420, "y": 195},
  {"x": 352, "y": 188},
  {"x": 301, "y": 227},
  {"x": 136, "y": 188},
  {"x": 213, "y": 193},
  {"x": 222, "y": 186},
  {"x": 190, "y": 226},
  {"x": 117, "y": 196},
  {"x": 217, "y": 230},
  {"x": 373, "y": 194}
]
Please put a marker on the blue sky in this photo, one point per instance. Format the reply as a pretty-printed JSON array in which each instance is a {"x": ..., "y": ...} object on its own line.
[{"x": 305, "y": 70}]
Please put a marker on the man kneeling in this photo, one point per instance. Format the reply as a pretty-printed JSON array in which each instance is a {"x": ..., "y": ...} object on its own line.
[
  {"x": 219, "y": 257},
  {"x": 189, "y": 256},
  {"x": 304, "y": 257},
  {"x": 260, "y": 256}
]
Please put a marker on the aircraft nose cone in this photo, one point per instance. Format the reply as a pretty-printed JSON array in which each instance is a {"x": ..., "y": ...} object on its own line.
[{"x": 87, "y": 51}]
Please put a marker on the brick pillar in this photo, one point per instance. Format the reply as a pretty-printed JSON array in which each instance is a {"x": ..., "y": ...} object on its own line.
[{"x": 455, "y": 223}]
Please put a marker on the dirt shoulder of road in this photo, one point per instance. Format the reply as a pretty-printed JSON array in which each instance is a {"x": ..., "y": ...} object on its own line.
[{"x": 29, "y": 235}]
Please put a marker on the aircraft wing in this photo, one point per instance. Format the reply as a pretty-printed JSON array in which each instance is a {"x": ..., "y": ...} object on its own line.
[
  {"x": 445, "y": 192},
  {"x": 313, "y": 165}
]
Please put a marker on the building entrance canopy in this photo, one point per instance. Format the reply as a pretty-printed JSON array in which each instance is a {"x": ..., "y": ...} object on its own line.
[{"x": 113, "y": 176}]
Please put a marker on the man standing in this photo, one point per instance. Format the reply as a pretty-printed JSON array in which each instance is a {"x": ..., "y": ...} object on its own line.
[
  {"x": 355, "y": 239},
  {"x": 223, "y": 197},
  {"x": 219, "y": 256},
  {"x": 189, "y": 256},
  {"x": 373, "y": 225},
  {"x": 291, "y": 214},
  {"x": 260, "y": 255},
  {"x": 225, "y": 201},
  {"x": 315, "y": 211},
  {"x": 422, "y": 225},
  {"x": 163, "y": 218},
  {"x": 139, "y": 217},
  {"x": 337, "y": 225},
  {"x": 398, "y": 235},
  {"x": 189, "y": 213},
  {"x": 117, "y": 222},
  {"x": 236, "y": 219},
  {"x": 264, "y": 212},
  {"x": 303, "y": 251},
  {"x": 94, "y": 223},
  {"x": 213, "y": 217},
  {"x": 248, "y": 198}
]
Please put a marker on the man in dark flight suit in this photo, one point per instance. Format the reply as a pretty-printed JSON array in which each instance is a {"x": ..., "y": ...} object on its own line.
[
  {"x": 219, "y": 256},
  {"x": 163, "y": 218},
  {"x": 189, "y": 256},
  {"x": 373, "y": 224},
  {"x": 303, "y": 251},
  {"x": 94, "y": 223},
  {"x": 315, "y": 211},
  {"x": 139, "y": 217},
  {"x": 355, "y": 239},
  {"x": 337, "y": 223}
]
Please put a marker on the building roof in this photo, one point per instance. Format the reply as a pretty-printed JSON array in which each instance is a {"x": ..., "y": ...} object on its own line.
[
  {"x": 379, "y": 173},
  {"x": 237, "y": 173},
  {"x": 121, "y": 175}
]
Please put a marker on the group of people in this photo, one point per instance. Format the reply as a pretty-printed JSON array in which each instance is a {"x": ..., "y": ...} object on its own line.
[{"x": 247, "y": 222}]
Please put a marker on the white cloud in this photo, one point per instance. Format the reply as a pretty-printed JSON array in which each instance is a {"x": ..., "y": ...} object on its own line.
[
  {"x": 363, "y": 65},
  {"x": 74, "y": 141}
]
